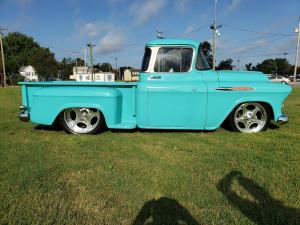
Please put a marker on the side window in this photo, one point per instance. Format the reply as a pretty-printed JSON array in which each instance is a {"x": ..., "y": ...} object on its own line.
[{"x": 173, "y": 59}]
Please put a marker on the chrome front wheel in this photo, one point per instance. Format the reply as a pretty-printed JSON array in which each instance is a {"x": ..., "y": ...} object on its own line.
[
  {"x": 82, "y": 120},
  {"x": 250, "y": 117}
]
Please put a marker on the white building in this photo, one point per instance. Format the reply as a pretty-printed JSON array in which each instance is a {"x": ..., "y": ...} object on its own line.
[
  {"x": 131, "y": 74},
  {"x": 84, "y": 74},
  {"x": 29, "y": 73}
]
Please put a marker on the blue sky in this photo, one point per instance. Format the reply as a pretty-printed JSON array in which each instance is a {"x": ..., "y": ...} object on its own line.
[{"x": 120, "y": 28}]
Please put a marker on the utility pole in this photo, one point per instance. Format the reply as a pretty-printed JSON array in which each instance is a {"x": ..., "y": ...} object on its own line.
[
  {"x": 214, "y": 27},
  {"x": 297, "y": 30},
  {"x": 117, "y": 71},
  {"x": 3, "y": 77},
  {"x": 91, "y": 45},
  {"x": 85, "y": 57},
  {"x": 238, "y": 64}
]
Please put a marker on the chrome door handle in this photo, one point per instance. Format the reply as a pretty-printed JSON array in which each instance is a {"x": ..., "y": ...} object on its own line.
[{"x": 155, "y": 77}]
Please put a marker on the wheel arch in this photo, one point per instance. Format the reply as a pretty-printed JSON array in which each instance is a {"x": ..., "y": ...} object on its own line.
[
  {"x": 56, "y": 119},
  {"x": 267, "y": 104}
]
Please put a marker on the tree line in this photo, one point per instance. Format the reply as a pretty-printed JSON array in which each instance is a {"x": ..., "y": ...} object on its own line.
[{"x": 22, "y": 50}]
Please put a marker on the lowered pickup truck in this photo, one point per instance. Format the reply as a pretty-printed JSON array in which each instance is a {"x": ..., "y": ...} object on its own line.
[{"x": 177, "y": 90}]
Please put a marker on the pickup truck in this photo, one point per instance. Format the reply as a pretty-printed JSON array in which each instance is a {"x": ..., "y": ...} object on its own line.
[{"x": 177, "y": 90}]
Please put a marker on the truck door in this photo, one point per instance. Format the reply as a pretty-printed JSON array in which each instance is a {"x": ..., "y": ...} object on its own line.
[{"x": 177, "y": 94}]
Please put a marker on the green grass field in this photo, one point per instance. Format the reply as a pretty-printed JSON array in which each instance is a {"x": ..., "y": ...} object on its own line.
[{"x": 146, "y": 177}]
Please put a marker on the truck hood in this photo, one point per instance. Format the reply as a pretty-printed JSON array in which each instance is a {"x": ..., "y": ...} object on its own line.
[{"x": 241, "y": 76}]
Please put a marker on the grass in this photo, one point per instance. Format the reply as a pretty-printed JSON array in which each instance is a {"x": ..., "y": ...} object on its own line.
[{"x": 145, "y": 177}]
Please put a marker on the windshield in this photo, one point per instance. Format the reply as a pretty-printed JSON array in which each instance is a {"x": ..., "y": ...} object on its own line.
[{"x": 146, "y": 59}]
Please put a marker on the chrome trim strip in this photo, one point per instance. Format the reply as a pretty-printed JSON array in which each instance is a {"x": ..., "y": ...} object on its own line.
[{"x": 224, "y": 89}]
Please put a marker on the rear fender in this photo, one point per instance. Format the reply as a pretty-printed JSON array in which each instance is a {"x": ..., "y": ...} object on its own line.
[{"x": 49, "y": 102}]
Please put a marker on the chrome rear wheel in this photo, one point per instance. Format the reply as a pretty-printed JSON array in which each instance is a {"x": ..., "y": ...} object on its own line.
[
  {"x": 82, "y": 120},
  {"x": 250, "y": 117}
]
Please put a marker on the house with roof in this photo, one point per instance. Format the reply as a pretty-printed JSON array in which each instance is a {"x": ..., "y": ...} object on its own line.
[{"x": 29, "y": 73}]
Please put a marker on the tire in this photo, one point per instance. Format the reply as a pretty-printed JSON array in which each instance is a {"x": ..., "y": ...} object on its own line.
[
  {"x": 82, "y": 120},
  {"x": 283, "y": 82},
  {"x": 250, "y": 117}
]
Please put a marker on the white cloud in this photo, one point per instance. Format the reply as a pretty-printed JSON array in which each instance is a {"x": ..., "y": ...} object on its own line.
[
  {"x": 112, "y": 42},
  {"x": 91, "y": 29},
  {"x": 235, "y": 4},
  {"x": 181, "y": 5},
  {"x": 143, "y": 11}
]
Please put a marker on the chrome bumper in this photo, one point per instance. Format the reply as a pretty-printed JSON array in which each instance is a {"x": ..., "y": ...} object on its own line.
[
  {"x": 24, "y": 117},
  {"x": 283, "y": 119}
]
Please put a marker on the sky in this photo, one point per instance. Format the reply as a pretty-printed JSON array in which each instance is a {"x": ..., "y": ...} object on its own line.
[{"x": 251, "y": 30}]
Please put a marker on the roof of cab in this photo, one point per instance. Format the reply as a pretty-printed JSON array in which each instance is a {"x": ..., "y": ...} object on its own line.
[{"x": 166, "y": 41}]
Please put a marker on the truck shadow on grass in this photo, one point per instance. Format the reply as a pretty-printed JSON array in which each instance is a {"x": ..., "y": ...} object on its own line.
[
  {"x": 164, "y": 211},
  {"x": 263, "y": 209}
]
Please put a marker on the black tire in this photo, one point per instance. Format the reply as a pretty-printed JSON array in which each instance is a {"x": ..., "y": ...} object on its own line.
[
  {"x": 283, "y": 82},
  {"x": 265, "y": 115},
  {"x": 97, "y": 128}
]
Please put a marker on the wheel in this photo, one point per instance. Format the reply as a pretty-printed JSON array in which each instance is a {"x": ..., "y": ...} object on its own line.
[
  {"x": 82, "y": 120},
  {"x": 283, "y": 82},
  {"x": 250, "y": 117}
]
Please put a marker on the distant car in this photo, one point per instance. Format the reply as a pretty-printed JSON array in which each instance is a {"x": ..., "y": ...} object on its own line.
[
  {"x": 281, "y": 79},
  {"x": 297, "y": 78}
]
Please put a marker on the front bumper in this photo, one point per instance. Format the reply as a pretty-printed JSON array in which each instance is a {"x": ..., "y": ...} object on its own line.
[{"x": 283, "y": 119}]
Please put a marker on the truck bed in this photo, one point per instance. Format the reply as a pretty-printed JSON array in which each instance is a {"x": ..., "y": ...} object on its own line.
[{"x": 44, "y": 101}]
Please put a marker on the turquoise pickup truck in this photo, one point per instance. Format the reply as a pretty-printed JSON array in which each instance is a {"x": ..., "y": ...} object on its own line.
[{"x": 177, "y": 90}]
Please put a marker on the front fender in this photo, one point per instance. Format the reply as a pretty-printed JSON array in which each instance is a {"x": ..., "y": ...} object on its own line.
[
  {"x": 221, "y": 103},
  {"x": 48, "y": 102}
]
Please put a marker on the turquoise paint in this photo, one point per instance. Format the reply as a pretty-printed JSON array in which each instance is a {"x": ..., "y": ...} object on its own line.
[{"x": 175, "y": 101}]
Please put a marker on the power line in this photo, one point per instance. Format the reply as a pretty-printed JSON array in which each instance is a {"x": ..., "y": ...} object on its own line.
[
  {"x": 269, "y": 41},
  {"x": 254, "y": 31},
  {"x": 267, "y": 54}
]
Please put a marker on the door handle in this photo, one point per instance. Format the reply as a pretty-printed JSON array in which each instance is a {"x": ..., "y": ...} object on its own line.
[{"x": 155, "y": 77}]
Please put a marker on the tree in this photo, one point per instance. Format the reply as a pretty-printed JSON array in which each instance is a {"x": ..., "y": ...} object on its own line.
[
  {"x": 106, "y": 67},
  {"x": 45, "y": 63},
  {"x": 21, "y": 50},
  {"x": 207, "y": 51},
  {"x": 225, "y": 64},
  {"x": 283, "y": 66},
  {"x": 66, "y": 68},
  {"x": 274, "y": 66},
  {"x": 249, "y": 67}
]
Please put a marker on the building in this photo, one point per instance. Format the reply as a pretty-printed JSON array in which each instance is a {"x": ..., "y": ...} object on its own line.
[
  {"x": 131, "y": 74},
  {"x": 29, "y": 73},
  {"x": 84, "y": 74}
]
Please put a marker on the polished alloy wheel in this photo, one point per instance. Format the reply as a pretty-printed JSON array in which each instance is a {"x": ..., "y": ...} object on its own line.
[
  {"x": 82, "y": 120},
  {"x": 250, "y": 117}
]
